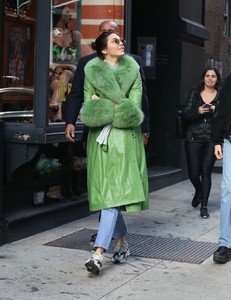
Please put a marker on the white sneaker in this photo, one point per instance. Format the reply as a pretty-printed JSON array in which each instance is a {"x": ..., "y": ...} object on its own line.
[
  {"x": 95, "y": 262},
  {"x": 121, "y": 253}
]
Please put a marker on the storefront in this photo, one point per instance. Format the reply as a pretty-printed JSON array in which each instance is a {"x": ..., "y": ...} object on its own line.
[
  {"x": 43, "y": 175},
  {"x": 40, "y": 168}
]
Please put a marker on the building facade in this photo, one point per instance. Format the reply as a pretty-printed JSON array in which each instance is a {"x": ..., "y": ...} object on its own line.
[
  {"x": 176, "y": 40},
  {"x": 218, "y": 46}
]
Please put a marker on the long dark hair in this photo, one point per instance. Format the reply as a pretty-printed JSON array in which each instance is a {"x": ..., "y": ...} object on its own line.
[
  {"x": 200, "y": 85},
  {"x": 101, "y": 43},
  {"x": 57, "y": 14}
]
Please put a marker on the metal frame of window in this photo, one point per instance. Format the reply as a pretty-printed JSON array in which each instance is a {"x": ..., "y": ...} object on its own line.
[
  {"x": 127, "y": 23},
  {"x": 42, "y": 55}
]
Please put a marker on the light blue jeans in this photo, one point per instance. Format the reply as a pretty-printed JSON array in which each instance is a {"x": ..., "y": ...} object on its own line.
[
  {"x": 111, "y": 225},
  {"x": 225, "y": 211}
]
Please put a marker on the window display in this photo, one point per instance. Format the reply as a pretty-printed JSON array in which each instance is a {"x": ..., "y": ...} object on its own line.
[{"x": 73, "y": 28}]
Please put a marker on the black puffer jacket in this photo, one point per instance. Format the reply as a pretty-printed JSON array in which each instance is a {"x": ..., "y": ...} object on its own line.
[
  {"x": 199, "y": 125},
  {"x": 222, "y": 120}
]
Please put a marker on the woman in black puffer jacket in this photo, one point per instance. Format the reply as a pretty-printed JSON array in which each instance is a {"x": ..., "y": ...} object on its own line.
[{"x": 199, "y": 111}]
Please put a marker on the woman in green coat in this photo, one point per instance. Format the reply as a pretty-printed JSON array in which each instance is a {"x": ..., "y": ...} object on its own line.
[{"x": 117, "y": 171}]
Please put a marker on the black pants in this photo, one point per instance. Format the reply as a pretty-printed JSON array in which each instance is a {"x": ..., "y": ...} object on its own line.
[{"x": 200, "y": 160}]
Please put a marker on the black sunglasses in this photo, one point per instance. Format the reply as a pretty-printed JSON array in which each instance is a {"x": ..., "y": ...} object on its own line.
[{"x": 118, "y": 41}]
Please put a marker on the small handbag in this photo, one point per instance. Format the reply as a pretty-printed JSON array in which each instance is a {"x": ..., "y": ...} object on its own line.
[{"x": 181, "y": 125}]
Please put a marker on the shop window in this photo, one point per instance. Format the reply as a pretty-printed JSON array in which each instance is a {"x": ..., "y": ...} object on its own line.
[
  {"x": 17, "y": 74},
  {"x": 74, "y": 27}
]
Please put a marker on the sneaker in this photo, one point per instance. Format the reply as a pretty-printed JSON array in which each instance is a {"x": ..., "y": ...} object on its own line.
[
  {"x": 121, "y": 253},
  {"x": 204, "y": 212},
  {"x": 222, "y": 255},
  {"x": 196, "y": 200},
  {"x": 94, "y": 263}
]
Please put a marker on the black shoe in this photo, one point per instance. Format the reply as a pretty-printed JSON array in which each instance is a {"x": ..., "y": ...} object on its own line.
[
  {"x": 204, "y": 212},
  {"x": 93, "y": 237},
  {"x": 54, "y": 108},
  {"x": 196, "y": 200},
  {"x": 222, "y": 255}
]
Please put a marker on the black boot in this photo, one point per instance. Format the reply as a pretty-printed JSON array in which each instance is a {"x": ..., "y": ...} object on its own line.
[
  {"x": 204, "y": 212},
  {"x": 196, "y": 199},
  {"x": 222, "y": 255}
]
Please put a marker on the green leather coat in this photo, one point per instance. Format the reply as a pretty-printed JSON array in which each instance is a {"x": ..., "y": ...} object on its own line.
[{"x": 117, "y": 172}]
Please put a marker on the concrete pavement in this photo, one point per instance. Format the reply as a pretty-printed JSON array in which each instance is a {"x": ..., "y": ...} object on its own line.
[{"x": 30, "y": 270}]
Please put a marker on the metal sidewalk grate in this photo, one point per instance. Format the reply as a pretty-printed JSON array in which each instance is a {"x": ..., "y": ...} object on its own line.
[{"x": 173, "y": 249}]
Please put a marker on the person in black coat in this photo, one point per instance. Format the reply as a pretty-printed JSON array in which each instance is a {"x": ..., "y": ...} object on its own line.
[
  {"x": 75, "y": 98},
  {"x": 199, "y": 112},
  {"x": 221, "y": 131}
]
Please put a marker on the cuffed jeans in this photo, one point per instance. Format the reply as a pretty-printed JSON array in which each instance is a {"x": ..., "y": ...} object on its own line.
[
  {"x": 225, "y": 210},
  {"x": 111, "y": 224}
]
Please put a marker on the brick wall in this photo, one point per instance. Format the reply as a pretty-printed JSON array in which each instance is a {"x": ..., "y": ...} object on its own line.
[{"x": 218, "y": 47}]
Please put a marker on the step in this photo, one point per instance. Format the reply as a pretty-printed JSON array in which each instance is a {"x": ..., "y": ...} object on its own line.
[{"x": 34, "y": 219}]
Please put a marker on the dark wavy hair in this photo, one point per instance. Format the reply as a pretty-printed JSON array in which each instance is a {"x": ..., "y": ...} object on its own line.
[
  {"x": 101, "y": 43},
  {"x": 200, "y": 85},
  {"x": 57, "y": 14}
]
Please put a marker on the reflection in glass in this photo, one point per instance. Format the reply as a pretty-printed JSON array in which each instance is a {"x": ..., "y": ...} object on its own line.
[
  {"x": 17, "y": 67},
  {"x": 67, "y": 46},
  {"x": 18, "y": 7}
]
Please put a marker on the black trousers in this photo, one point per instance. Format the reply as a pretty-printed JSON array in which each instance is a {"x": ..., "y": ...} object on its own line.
[{"x": 200, "y": 161}]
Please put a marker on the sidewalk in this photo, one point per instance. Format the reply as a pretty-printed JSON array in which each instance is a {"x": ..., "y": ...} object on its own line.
[{"x": 32, "y": 270}]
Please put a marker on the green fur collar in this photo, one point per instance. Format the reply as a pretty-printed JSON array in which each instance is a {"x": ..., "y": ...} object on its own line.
[{"x": 116, "y": 82}]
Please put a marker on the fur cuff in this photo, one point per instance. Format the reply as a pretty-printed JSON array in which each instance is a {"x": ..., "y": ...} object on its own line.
[
  {"x": 96, "y": 113},
  {"x": 127, "y": 115}
]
